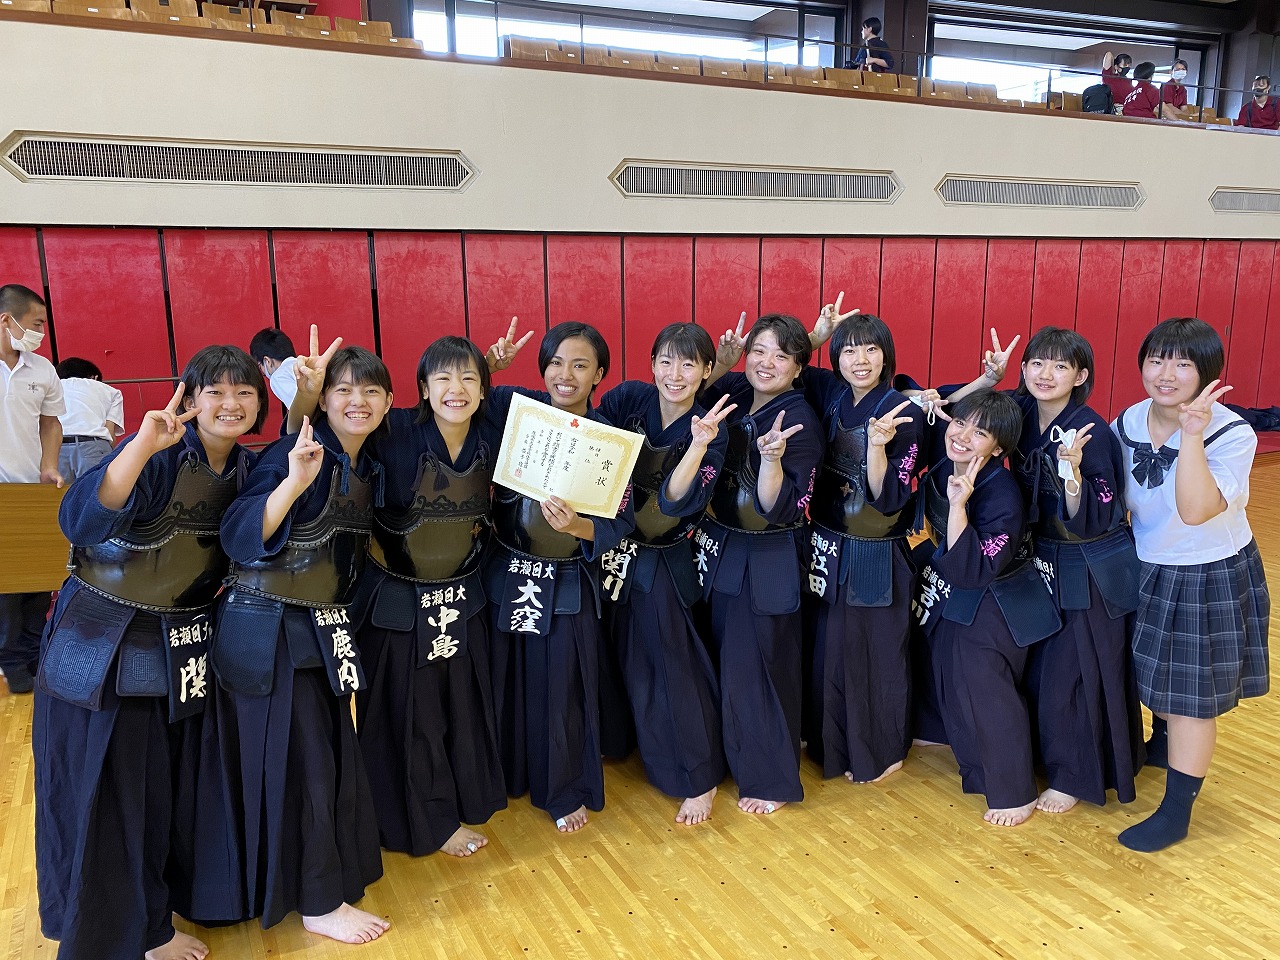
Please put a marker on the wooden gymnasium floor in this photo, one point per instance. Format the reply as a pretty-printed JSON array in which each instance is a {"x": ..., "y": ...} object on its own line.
[{"x": 904, "y": 869}]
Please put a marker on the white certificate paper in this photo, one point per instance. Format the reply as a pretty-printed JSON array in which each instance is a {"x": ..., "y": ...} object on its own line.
[{"x": 550, "y": 453}]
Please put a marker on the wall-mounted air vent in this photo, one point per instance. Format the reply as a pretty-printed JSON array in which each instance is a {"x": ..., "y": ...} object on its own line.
[
  {"x": 45, "y": 156},
  {"x": 1242, "y": 200},
  {"x": 651, "y": 178},
  {"x": 992, "y": 191}
]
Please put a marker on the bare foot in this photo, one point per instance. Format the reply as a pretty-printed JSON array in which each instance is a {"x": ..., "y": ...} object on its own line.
[
  {"x": 752, "y": 805},
  {"x": 1055, "y": 801},
  {"x": 181, "y": 947},
  {"x": 892, "y": 768},
  {"x": 464, "y": 842},
  {"x": 1010, "y": 816},
  {"x": 574, "y": 821},
  {"x": 348, "y": 925},
  {"x": 696, "y": 809}
]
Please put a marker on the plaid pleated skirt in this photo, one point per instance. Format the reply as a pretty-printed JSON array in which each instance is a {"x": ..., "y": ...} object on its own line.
[{"x": 1200, "y": 635}]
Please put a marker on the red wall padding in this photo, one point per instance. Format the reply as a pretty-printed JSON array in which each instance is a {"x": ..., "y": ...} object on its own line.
[{"x": 940, "y": 296}]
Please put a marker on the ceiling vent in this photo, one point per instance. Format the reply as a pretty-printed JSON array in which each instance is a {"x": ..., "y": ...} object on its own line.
[
  {"x": 1241, "y": 200},
  {"x": 1007, "y": 192},
  {"x": 45, "y": 156},
  {"x": 704, "y": 181}
]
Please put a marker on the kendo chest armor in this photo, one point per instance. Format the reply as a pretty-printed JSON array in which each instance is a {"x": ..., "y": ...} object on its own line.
[
  {"x": 936, "y": 506},
  {"x": 442, "y": 533},
  {"x": 322, "y": 559},
  {"x": 173, "y": 562},
  {"x": 840, "y": 491},
  {"x": 520, "y": 524},
  {"x": 733, "y": 502},
  {"x": 1037, "y": 474},
  {"x": 653, "y": 466}
]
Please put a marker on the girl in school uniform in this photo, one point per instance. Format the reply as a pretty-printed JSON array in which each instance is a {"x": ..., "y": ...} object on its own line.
[
  {"x": 543, "y": 588},
  {"x": 859, "y": 576},
  {"x": 1200, "y": 634},
  {"x": 285, "y": 654},
  {"x": 650, "y": 583},
  {"x": 980, "y": 604},
  {"x": 748, "y": 553},
  {"x": 425, "y": 717},
  {"x": 131, "y": 818},
  {"x": 1070, "y": 467}
]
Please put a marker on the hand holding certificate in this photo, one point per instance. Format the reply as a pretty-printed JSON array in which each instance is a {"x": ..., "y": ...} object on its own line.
[{"x": 550, "y": 453}]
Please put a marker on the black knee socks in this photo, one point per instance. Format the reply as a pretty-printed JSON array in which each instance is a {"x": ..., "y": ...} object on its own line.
[
  {"x": 1170, "y": 822},
  {"x": 1158, "y": 745}
]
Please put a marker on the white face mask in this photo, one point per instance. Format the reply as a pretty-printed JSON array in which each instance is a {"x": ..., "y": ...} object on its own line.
[
  {"x": 30, "y": 340},
  {"x": 1179, "y": 75}
]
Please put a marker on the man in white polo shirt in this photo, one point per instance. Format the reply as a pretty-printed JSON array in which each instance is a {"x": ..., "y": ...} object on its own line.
[{"x": 30, "y": 439}]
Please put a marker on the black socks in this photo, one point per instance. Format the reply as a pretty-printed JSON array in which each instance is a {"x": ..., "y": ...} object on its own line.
[
  {"x": 1158, "y": 745},
  {"x": 1171, "y": 820}
]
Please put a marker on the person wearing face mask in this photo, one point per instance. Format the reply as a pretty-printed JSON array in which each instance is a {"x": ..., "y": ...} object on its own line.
[
  {"x": 274, "y": 353},
  {"x": 30, "y": 403},
  {"x": 1144, "y": 98},
  {"x": 1261, "y": 111},
  {"x": 1174, "y": 93},
  {"x": 1115, "y": 74}
]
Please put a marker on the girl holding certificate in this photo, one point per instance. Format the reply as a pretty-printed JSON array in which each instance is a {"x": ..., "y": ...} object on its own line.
[
  {"x": 544, "y": 597},
  {"x": 650, "y": 581},
  {"x": 748, "y": 552}
]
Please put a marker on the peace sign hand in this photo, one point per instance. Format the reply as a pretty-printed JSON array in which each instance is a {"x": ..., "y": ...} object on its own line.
[
  {"x": 731, "y": 345},
  {"x": 828, "y": 319},
  {"x": 883, "y": 429},
  {"x": 305, "y": 458},
  {"x": 774, "y": 443},
  {"x": 960, "y": 485},
  {"x": 996, "y": 360},
  {"x": 503, "y": 353},
  {"x": 704, "y": 429},
  {"x": 309, "y": 371},
  {"x": 161, "y": 429},
  {"x": 1194, "y": 417},
  {"x": 1074, "y": 454}
]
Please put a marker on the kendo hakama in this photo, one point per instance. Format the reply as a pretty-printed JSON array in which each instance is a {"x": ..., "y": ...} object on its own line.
[
  {"x": 1080, "y": 683},
  {"x": 858, "y": 587},
  {"x": 133, "y": 812},
  {"x": 981, "y": 605},
  {"x": 425, "y": 720},
  {"x": 285, "y": 658},
  {"x": 650, "y": 586},
  {"x": 748, "y": 561}
]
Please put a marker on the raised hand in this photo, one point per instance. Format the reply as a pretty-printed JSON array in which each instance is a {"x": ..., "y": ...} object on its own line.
[
  {"x": 729, "y": 351},
  {"x": 774, "y": 443},
  {"x": 161, "y": 429},
  {"x": 306, "y": 457},
  {"x": 1074, "y": 453},
  {"x": 996, "y": 360},
  {"x": 309, "y": 371},
  {"x": 828, "y": 319},
  {"x": 960, "y": 485},
  {"x": 559, "y": 514},
  {"x": 503, "y": 353},
  {"x": 704, "y": 429},
  {"x": 883, "y": 429},
  {"x": 1194, "y": 417}
]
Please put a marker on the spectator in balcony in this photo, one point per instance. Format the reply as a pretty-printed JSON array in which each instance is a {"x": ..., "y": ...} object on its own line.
[
  {"x": 1261, "y": 111},
  {"x": 274, "y": 353},
  {"x": 1174, "y": 93},
  {"x": 94, "y": 417},
  {"x": 1144, "y": 99},
  {"x": 1115, "y": 74},
  {"x": 874, "y": 53}
]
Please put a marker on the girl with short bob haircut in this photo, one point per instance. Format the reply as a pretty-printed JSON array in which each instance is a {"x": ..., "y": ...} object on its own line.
[
  {"x": 425, "y": 719},
  {"x": 546, "y": 656},
  {"x": 651, "y": 583},
  {"x": 1200, "y": 634},
  {"x": 285, "y": 651},
  {"x": 748, "y": 551},
  {"x": 859, "y": 576}
]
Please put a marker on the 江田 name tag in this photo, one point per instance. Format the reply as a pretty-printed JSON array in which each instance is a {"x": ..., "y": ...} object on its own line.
[{"x": 550, "y": 453}]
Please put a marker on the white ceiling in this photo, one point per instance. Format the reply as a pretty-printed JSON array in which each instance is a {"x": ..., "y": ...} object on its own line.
[
  {"x": 688, "y": 8},
  {"x": 1021, "y": 38}
]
